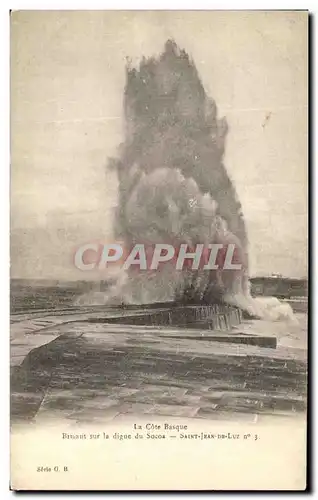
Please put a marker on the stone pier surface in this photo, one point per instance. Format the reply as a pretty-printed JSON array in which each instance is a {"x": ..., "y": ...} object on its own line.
[
  {"x": 213, "y": 317},
  {"x": 78, "y": 369}
]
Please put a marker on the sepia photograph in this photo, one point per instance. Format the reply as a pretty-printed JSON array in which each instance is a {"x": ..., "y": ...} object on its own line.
[{"x": 159, "y": 250}]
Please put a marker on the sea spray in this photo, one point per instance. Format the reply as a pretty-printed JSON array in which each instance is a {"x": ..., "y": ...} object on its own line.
[{"x": 174, "y": 187}]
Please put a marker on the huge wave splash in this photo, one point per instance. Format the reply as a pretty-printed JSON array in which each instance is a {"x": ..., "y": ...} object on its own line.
[{"x": 174, "y": 187}]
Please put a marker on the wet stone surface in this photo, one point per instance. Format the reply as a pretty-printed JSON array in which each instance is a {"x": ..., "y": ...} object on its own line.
[{"x": 96, "y": 373}]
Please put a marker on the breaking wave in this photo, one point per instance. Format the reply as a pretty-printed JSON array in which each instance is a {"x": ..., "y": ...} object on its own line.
[{"x": 174, "y": 187}]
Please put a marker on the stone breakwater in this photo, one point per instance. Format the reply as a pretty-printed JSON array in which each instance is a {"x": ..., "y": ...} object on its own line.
[{"x": 213, "y": 317}]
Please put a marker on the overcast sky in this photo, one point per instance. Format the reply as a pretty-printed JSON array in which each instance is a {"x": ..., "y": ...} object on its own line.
[{"x": 67, "y": 79}]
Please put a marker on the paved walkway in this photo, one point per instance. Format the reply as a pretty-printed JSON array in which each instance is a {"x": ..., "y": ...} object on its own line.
[
  {"x": 35, "y": 329},
  {"x": 83, "y": 372}
]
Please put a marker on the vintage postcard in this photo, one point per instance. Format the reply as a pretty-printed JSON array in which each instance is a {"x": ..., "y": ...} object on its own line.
[{"x": 159, "y": 171}]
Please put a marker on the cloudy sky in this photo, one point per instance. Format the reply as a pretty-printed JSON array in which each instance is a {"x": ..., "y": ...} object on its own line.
[{"x": 67, "y": 80}]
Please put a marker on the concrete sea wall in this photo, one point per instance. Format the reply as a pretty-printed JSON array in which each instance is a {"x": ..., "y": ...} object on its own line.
[{"x": 212, "y": 317}]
